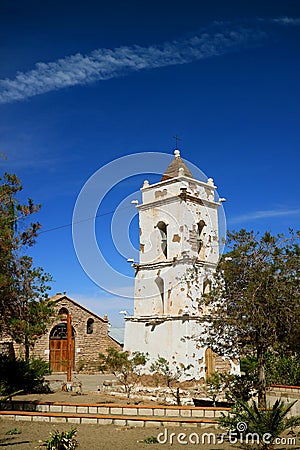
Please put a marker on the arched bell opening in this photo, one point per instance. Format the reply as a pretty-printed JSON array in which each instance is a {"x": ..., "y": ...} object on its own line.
[{"x": 164, "y": 237}]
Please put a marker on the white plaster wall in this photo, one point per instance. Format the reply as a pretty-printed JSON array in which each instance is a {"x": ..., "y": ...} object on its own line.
[
  {"x": 179, "y": 290},
  {"x": 168, "y": 188},
  {"x": 168, "y": 341}
]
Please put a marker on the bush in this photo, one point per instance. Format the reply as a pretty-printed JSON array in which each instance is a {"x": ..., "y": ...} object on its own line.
[
  {"x": 233, "y": 387},
  {"x": 17, "y": 374},
  {"x": 282, "y": 369},
  {"x": 268, "y": 422}
]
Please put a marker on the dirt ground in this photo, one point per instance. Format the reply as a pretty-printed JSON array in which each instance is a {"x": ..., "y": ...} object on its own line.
[
  {"x": 70, "y": 397},
  {"x": 96, "y": 437},
  {"x": 109, "y": 437}
]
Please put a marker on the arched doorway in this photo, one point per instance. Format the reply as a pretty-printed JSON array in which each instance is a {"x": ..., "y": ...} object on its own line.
[{"x": 58, "y": 348}]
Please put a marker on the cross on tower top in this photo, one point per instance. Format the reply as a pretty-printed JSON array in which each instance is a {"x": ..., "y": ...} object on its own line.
[{"x": 176, "y": 140}]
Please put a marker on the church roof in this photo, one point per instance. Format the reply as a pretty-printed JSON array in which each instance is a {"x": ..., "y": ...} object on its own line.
[
  {"x": 59, "y": 297},
  {"x": 173, "y": 168}
]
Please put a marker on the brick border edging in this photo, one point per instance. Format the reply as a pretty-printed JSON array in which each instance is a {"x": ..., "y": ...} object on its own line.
[
  {"x": 100, "y": 419},
  {"x": 120, "y": 405},
  {"x": 109, "y": 409},
  {"x": 112, "y": 413},
  {"x": 106, "y": 416}
]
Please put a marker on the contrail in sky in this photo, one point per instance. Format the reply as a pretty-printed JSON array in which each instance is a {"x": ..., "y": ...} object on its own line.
[
  {"x": 264, "y": 214},
  {"x": 104, "y": 64}
]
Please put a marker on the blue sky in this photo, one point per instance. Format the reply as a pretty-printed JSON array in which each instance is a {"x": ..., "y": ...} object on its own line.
[{"x": 85, "y": 83}]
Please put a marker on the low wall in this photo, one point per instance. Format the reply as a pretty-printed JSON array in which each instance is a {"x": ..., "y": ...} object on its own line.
[
  {"x": 114, "y": 409},
  {"x": 287, "y": 394},
  {"x": 281, "y": 388},
  {"x": 105, "y": 414}
]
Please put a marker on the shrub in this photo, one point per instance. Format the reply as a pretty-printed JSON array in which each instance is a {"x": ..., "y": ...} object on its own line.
[
  {"x": 264, "y": 422},
  {"x": 18, "y": 374},
  {"x": 282, "y": 369}
]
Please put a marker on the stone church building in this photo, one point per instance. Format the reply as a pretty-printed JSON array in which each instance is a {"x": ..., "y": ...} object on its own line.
[
  {"x": 179, "y": 252},
  {"x": 89, "y": 338}
]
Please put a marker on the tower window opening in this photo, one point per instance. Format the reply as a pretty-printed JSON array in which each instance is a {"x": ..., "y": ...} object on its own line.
[
  {"x": 164, "y": 237},
  {"x": 63, "y": 313},
  {"x": 161, "y": 286},
  {"x": 206, "y": 286},
  {"x": 200, "y": 229},
  {"x": 90, "y": 326}
]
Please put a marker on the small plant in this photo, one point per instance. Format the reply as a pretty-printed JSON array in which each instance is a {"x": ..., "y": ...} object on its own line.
[
  {"x": 150, "y": 440},
  {"x": 64, "y": 440},
  {"x": 13, "y": 431}
]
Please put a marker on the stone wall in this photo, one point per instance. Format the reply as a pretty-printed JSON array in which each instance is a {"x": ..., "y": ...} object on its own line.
[
  {"x": 223, "y": 365},
  {"x": 87, "y": 346},
  {"x": 7, "y": 348}
]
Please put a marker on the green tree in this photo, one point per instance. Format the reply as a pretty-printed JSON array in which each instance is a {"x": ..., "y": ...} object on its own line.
[
  {"x": 33, "y": 310},
  {"x": 24, "y": 305},
  {"x": 126, "y": 367},
  {"x": 254, "y": 302}
]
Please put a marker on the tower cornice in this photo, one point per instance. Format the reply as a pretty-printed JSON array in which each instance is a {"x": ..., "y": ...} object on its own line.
[
  {"x": 158, "y": 319},
  {"x": 186, "y": 260},
  {"x": 176, "y": 180},
  {"x": 178, "y": 198}
]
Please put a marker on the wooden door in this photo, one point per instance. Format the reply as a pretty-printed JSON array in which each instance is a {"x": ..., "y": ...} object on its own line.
[
  {"x": 59, "y": 355},
  {"x": 209, "y": 362}
]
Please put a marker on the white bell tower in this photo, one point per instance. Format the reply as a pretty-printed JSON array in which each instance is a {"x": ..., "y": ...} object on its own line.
[{"x": 179, "y": 251}]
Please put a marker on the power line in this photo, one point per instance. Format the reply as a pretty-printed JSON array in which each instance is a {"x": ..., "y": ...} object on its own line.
[{"x": 83, "y": 220}]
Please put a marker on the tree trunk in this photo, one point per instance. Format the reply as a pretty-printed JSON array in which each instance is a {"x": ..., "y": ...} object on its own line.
[
  {"x": 27, "y": 352},
  {"x": 178, "y": 399},
  {"x": 27, "y": 349},
  {"x": 262, "y": 401}
]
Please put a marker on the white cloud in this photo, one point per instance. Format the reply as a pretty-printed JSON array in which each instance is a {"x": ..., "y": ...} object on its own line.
[
  {"x": 103, "y": 64},
  {"x": 287, "y": 21},
  {"x": 264, "y": 214}
]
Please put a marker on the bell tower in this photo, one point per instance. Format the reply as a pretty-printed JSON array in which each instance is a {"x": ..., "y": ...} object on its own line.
[{"x": 179, "y": 251}]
